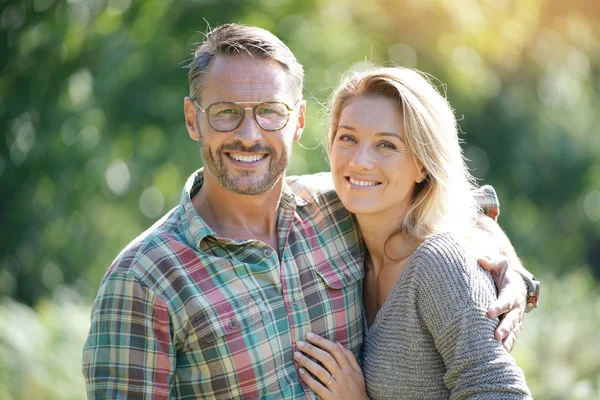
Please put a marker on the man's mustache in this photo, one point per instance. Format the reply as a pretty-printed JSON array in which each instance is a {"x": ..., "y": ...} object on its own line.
[{"x": 255, "y": 148}]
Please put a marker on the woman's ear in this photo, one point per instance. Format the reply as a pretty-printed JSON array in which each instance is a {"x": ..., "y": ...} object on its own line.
[{"x": 422, "y": 173}]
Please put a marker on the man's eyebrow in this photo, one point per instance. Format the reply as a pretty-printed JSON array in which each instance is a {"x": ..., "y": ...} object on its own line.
[{"x": 378, "y": 134}]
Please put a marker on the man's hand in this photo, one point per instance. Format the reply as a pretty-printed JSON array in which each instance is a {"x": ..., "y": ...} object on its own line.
[{"x": 511, "y": 303}]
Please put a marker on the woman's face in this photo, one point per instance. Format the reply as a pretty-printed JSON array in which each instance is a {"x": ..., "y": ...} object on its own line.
[{"x": 372, "y": 168}]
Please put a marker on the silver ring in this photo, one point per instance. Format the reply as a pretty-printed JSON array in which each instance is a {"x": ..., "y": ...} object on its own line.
[{"x": 330, "y": 380}]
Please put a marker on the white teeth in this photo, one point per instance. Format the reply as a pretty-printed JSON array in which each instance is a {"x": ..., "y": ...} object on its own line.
[
  {"x": 361, "y": 183},
  {"x": 248, "y": 159}
]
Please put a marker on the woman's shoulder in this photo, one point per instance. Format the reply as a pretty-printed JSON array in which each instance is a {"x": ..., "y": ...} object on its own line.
[
  {"x": 444, "y": 249},
  {"x": 445, "y": 267}
]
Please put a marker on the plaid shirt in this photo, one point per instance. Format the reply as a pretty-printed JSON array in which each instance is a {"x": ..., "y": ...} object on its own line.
[
  {"x": 488, "y": 201},
  {"x": 185, "y": 314}
]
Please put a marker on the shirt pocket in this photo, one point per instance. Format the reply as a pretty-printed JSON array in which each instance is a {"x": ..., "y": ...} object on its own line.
[
  {"x": 225, "y": 319},
  {"x": 335, "y": 305},
  {"x": 340, "y": 272}
]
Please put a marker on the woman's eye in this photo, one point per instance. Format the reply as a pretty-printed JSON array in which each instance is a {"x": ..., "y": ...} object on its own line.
[
  {"x": 387, "y": 145},
  {"x": 346, "y": 138}
]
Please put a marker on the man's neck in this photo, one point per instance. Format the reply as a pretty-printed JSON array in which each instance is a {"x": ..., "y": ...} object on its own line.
[{"x": 237, "y": 216}]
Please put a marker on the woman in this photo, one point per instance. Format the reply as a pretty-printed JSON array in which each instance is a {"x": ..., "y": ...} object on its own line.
[{"x": 397, "y": 165}]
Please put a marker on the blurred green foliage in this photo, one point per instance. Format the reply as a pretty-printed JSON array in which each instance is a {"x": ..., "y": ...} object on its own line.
[{"x": 95, "y": 149}]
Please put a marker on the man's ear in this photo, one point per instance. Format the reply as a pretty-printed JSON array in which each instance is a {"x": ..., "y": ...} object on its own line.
[
  {"x": 300, "y": 121},
  {"x": 189, "y": 109}
]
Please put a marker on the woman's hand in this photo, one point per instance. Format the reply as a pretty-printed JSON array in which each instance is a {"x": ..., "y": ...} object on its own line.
[{"x": 338, "y": 377}]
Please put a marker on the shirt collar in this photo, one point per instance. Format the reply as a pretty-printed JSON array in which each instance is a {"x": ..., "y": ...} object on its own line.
[{"x": 196, "y": 229}]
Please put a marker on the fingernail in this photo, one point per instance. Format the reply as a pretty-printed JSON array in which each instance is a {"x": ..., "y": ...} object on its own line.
[
  {"x": 302, "y": 371},
  {"x": 297, "y": 355},
  {"x": 310, "y": 335},
  {"x": 300, "y": 344}
]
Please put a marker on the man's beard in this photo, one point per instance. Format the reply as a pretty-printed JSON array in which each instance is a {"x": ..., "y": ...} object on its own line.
[{"x": 213, "y": 162}]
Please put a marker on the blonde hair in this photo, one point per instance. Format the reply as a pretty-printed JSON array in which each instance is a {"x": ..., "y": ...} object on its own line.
[{"x": 444, "y": 201}]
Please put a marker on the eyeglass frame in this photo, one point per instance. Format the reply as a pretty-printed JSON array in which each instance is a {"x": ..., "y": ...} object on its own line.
[{"x": 205, "y": 111}]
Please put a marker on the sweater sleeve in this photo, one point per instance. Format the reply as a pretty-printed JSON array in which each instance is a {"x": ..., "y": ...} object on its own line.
[{"x": 453, "y": 296}]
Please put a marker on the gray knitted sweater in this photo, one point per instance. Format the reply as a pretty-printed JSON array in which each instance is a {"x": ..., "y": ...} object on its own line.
[{"x": 431, "y": 339}]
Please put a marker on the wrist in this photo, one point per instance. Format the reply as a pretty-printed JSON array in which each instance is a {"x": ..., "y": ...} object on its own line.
[{"x": 533, "y": 290}]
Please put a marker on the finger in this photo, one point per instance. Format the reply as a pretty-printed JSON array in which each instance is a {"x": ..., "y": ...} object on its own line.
[
  {"x": 330, "y": 347},
  {"x": 509, "y": 342},
  {"x": 349, "y": 357},
  {"x": 504, "y": 303},
  {"x": 320, "y": 355},
  {"x": 507, "y": 324},
  {"x": 499, "y": 264},
  {"x": 320, "y": 372},
  {"x": 315, "y": 385},
  {"x": 326, "y": 351}
]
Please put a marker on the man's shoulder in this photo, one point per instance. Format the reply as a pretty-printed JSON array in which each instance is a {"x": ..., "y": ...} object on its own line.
[
  {"x": 313, "y": 187},
  {"x": 154, "y": 245}
]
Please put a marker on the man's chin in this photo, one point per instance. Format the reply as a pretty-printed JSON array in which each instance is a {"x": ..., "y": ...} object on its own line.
[{"x": 250, "y": 187}]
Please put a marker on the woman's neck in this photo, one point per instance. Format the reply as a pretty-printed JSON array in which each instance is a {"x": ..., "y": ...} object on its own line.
[{"x": 384, "y": 240}]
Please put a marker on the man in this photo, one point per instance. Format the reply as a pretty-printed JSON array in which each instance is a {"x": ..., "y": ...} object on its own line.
[{"x": 210, "y": 301}]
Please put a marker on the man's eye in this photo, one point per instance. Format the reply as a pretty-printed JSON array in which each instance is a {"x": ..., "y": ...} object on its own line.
[
  {"x": 271, "y": 109},
  {"x": 228, "y": 111}
]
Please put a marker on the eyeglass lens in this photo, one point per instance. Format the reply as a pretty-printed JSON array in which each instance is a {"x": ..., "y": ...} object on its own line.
[{"x": 270, "y": 116}]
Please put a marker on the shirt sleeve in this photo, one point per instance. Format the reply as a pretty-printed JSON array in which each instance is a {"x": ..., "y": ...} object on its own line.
[
  {"x": 128, "y": 352},
  {"x": 488, "y": 201},
  {"x": 453, "y": 297}
]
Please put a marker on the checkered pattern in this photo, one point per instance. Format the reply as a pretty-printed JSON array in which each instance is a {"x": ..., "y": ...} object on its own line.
[
  {"x": 488, "y": 201},
  {"x": 183, "y": 313}
]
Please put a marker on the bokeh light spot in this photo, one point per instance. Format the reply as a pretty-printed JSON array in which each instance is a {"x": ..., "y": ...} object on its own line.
[
  {"x": 152, "y": 202},
  {"x": 45, "y": 191},
  {"x": 52, "y": 276},
  {"x": 21, "y": 138},
  {"x": 42, "y": 5},
  {"x": 89, "y": 137},
  {"x": 403, "y": 55},
  {"x": 80, "y": 87},
  {"x": 591, "y": 205},
  {"x": 12, "y": 17},
  {"x": 118, "y": 177}
]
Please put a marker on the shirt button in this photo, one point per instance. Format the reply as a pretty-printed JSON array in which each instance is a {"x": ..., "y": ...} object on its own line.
[
  {"x": 347, "y": 276},
  {"x": 267, "y": 253},
  {"x": 233, "y": 324}
]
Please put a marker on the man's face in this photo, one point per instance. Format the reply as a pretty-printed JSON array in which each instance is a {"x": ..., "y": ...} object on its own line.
[{"x": 247, "y": 160}]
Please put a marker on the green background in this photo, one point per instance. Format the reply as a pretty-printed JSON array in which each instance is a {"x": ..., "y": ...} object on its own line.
[{"x": 95, "y": 149}]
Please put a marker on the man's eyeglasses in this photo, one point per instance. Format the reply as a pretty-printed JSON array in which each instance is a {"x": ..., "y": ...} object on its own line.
[{"x": 227, "y": 116}]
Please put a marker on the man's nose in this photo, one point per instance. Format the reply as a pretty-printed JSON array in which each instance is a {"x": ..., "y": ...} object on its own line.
[{"x": 248, "y": 131}]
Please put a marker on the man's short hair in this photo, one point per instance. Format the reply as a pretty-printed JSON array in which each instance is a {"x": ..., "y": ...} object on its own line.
[{"x": 235, "y": 39}]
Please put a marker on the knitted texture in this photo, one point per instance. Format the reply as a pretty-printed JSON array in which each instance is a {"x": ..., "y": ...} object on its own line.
[{"x": 432, "y": 339}]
